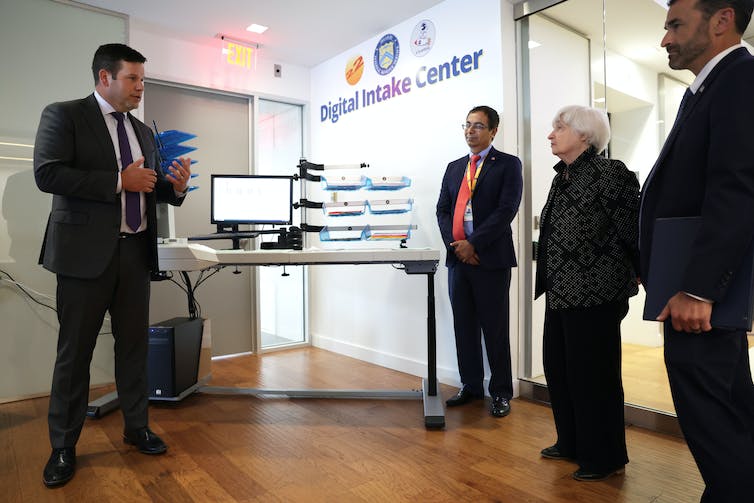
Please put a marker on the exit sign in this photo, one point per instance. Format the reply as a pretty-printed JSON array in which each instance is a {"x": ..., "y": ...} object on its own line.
[{"x": 240, "y": 55}]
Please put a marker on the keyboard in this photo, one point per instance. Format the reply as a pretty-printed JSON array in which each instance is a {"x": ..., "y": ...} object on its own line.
[{"x": 225, "y": 235}]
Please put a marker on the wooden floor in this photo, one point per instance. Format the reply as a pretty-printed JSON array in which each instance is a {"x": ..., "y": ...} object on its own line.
[
  {"x": 645, "y": 379},
  {"x": 242, "y": 448}
]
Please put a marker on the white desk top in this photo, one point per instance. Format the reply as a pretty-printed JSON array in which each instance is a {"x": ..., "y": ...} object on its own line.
[{"x": 180, "y": 255}]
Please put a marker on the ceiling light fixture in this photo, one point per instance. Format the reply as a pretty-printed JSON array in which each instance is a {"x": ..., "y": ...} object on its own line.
[
  {"x": 247, "y": 43},
  {"x": 256, "y": 28}
]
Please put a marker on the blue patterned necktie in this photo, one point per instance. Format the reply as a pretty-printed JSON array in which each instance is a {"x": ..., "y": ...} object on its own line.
[{"x": 133, "y": 208}]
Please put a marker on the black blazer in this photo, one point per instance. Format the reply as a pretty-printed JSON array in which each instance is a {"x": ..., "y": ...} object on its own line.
[
  {"x": 74, "y": 159},
  {"x": 495, "y": 202},
  {"x": 706, "y": 168},
  {"x": 588, "y": 251}
]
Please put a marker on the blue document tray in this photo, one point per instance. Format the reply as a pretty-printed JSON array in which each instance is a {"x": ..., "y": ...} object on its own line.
[
  {"x": 343, "y": 182},
  {"x": 355, "y": 233},
  {"x": 345, "y": 208},
  {"x": 174, "y": 151},
  {"x": 165, "y": 165},
  {"x": 173, "y": 137},
  {"x": 169, "y": 162},
  {"x": 388, "y": 183},
  {"x": 390, "y": 206},
  {"x": 387, "y": 233}
]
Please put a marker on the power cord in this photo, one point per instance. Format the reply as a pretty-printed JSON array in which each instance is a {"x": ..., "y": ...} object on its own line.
[
  {"x": 185, "y": 284},
  {"x": 26, "y": 290},
  {"x": 194, "y": 308}
]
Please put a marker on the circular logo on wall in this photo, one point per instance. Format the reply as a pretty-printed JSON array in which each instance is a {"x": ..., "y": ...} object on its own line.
[
  {"x": 423, "y": 38},
  {"x": 354, "y": 69},
  {"x": 386, "y": 54}
]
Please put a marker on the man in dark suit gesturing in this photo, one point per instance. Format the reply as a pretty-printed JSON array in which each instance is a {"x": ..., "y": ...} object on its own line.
[
  {"x": 478, "y": 200},
  {"x": 706, "y": 169},
  {"x": 102, "y": 167}
]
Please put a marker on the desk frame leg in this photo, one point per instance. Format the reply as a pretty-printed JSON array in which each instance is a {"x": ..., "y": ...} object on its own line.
[
  {"x": 431, "y": 336},
  {"x": 434, "y": 413},
  {"x": 103, "y": 405}
]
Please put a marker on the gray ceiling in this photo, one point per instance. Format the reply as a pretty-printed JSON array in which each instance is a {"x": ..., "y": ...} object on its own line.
[
  {"x": 308, "y": 32},
  {"x": 302, "y": 32}
]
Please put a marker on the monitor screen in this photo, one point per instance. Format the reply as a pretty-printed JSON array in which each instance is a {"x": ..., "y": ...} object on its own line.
[{"x": 252, "y": 199}]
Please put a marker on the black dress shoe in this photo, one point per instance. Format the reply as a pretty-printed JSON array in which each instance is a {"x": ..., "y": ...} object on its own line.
[
  {"x": 590, "y": 476},
  {"x": 464, "y": 396},
  {"x": 500, "y": 406},
  {"x": 554, "y": 452},
  {"x": 60, "y": 467},
  {"x": 145, "y": 440}
]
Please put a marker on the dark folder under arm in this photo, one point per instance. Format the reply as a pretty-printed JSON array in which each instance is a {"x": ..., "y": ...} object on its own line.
[{"x": 671, "y": 252}]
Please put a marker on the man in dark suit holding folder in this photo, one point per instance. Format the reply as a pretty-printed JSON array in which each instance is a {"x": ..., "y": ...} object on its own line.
[{"x": 706, "y": 169}]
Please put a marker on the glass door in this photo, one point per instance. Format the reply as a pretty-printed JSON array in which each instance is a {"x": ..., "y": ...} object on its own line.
[
  {"x": 281, "y": 291},
  {"x": 605, "y": 54}
]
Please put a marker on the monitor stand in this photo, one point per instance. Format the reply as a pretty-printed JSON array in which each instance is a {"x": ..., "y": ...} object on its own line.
[{"x": 227, "y": 231}]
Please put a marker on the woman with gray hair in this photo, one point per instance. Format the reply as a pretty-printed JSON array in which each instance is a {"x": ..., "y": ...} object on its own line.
[{"x": 586, "y": 266}]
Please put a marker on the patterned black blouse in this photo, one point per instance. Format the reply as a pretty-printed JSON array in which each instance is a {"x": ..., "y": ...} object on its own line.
[{"x": 588, "y": 245}]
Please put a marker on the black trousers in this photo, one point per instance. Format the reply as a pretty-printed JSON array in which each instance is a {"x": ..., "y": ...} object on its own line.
[
  {"x": 582, "y": 361},
  {"x": 123, "y": 290},
  {"x": 480, "y": 301},
  {"x": 710, "y": 380}
]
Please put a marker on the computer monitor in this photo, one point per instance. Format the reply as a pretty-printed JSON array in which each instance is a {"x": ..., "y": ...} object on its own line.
[{"x": 251, "y": 199}]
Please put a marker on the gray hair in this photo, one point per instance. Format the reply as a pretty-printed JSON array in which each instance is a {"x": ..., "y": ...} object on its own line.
[{"x": 588, "y": 121}]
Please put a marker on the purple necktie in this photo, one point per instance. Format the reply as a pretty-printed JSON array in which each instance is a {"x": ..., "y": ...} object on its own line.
[{"x": 133, "y": 208}]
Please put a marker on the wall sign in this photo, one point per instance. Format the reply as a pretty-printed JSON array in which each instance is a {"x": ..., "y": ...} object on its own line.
[
  {"x": 240, "y": 55},
  {"x": 426, "y": 75}
]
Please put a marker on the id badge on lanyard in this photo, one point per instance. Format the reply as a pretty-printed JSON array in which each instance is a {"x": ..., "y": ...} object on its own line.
[{"x": 468, "y": 213}]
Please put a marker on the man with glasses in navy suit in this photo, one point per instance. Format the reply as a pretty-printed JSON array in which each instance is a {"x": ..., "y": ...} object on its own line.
[{"x": 478, "y": 201}]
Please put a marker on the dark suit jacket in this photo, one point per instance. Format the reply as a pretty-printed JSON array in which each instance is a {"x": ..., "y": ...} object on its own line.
[
  {"x": 495, "y": 204},
  {"x": 74, "y": 159},
  {"x": 706, "y": 168}
]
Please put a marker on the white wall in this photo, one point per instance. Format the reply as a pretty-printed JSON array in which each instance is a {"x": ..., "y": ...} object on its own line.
[
  {"x": 199, "y": 62},
  {"x": 28, "y": 332},
  {"x": 373, "y": 312}
]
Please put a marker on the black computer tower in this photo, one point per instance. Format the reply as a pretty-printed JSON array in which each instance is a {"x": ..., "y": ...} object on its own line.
[{"x": 173, "y": 356}]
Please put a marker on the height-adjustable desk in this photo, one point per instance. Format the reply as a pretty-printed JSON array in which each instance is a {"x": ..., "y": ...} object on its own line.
[{"x": 181, "y": 256}]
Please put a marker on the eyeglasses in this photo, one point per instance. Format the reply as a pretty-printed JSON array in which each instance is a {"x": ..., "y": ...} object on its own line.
[{"x": 477, "y": 126}]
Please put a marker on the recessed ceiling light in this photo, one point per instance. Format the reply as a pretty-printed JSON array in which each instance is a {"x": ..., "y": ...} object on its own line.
[{"x": 256, "y": 28}]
